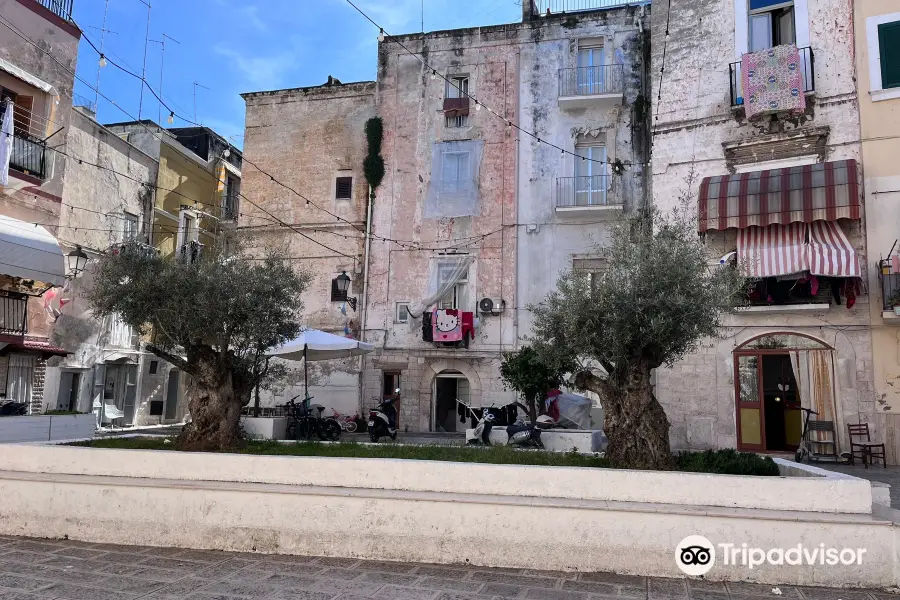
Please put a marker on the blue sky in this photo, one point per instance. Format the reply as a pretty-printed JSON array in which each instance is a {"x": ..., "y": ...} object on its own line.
[{"x": 234, "y": 46}]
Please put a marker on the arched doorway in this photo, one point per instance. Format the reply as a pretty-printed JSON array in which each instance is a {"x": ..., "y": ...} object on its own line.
[
  {"x": 451, "y": 390},
  {"x": 774, "y": 375}
]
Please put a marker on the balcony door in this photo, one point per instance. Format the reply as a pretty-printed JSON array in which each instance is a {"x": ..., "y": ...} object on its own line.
[
  {"x": 591, "y": 73},
  {"x": 590, "y": 175},
  {"x": 771, "y": 24}
]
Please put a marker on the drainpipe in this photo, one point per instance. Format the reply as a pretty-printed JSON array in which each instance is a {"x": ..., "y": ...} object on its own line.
[
  {"x": 365, "y": 294},
  {"x": 517, "y": 188}
]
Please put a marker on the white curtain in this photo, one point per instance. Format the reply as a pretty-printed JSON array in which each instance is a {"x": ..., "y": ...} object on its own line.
[
  {"x": 446, "y": 272},
  {"x": 19, "y": 378},
  {"x": 6, "y": 141},
  {"x": 813, "y": 370}
]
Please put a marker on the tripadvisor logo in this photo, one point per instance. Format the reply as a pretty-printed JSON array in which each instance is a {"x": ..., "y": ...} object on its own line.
[{"x": 695, "y": 555}]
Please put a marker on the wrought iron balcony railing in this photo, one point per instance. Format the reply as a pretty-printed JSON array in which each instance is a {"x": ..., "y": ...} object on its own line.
[
  {"x": 28, "y": 155},
  {"x": 587, "y": 191},
  {"x": 559, "y": 6},
  {"x": 13, "y": 313},
  {"x": 591, "y": 81},
  {"x": 62, "y": 8}
]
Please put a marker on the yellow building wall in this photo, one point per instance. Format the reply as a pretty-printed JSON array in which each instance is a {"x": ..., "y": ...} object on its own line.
[
  {"x": 183, "y": 182},
  {"x": 880, "y": 133}
]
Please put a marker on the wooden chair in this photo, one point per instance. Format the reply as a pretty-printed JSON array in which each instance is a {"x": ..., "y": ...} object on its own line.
[
  {"x": 867, "y": 450},
  {"x": 825, "y": 448}
]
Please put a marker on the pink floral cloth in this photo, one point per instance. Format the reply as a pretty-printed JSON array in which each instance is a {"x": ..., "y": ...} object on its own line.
[{"x": 773, "y": 82}]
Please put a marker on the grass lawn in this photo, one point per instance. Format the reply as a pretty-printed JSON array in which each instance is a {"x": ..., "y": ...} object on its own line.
[{"x": 721, "y": 461}]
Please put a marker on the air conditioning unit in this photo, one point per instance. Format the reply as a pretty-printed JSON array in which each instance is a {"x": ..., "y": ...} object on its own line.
[{"x": 491, "y": 306}]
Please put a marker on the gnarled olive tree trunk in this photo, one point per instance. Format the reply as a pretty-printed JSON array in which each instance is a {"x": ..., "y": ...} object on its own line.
[{"x": 634, "y": 420}]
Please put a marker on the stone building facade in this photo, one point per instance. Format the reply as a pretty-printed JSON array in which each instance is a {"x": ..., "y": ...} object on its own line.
[
  {"x": 741, "y": 390},
  {"x": 313, "y": 140},
  {"x": 38, "y": 52}
]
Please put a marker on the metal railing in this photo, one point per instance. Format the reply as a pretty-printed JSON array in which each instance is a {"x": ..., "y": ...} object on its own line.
[
  {"x": 890, "y": 285},
  {"x": 584, "y": 191},
  {"x": 559, "y": 6},
  {"x": 591, "y": 81},
  {"x": 28, "y": 155},
  {"x": 229, "y": 207},
  {"x": 771, "y": 292},
  {"x": 807, "y": 66},
  {"x": 79, "y": 100},
  {"x": 62, "y": 8},
  {"x": 13, "y": 313}
]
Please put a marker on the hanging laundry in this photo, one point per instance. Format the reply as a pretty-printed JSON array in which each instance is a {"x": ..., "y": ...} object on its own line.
[
  {"x": 447, "y": 325},
  {"x": 895, "y": 263},
  {"x": 468, "y": 326},
  {"x": 837, "y": 286},
  {"x": 6, "y": 141},
  {"x": 773, "y": 82},
  {"x": 852, "y": 289}
]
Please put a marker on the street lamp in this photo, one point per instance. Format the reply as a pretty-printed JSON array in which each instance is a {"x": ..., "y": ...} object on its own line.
[
  {"x": 76, "y": 261},
  {"x": 343, "y": 286}
]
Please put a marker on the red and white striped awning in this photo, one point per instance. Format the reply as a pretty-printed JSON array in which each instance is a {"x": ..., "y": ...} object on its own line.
[
  {"x": 824, "y": 191},
  {"x": 773, "y": 250},
  {"x": 784, "y": 250},
  {"x": 830, "y": 252}
]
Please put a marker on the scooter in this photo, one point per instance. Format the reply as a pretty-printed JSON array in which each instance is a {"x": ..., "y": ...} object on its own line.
[
  {"x": 528, "y": 435},
  {"x": 481, "y": 434},
  {"x": 382, "y": 420}
]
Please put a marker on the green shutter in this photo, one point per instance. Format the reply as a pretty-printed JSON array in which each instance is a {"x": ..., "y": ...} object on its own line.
[{"x": 889, "y": 47}]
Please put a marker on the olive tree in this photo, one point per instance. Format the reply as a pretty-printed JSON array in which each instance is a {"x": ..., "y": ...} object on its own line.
[
  {"x": 213, "y": 319},
  {"x": 660, "y": 295},
  {"x": 529, "y": 373}
]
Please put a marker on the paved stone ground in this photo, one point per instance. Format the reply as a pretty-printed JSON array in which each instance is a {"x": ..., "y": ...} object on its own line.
[
  {"x": 890, "y": 476},
  {"x": 67, "y": 570}
]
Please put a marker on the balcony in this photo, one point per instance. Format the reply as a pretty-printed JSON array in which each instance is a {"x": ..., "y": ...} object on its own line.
[
  {"x": 590, "y": 195},
  {"x": 229, "y": 207},
  {"x": 602, "y": 86},
  {"x": 563, "y": 6},
  {"x": 61, "y": 8},
  {"x": 807, "y": 65},
  {"x": 28, "y": 155},
  {"x": 13, "y": 313},
  {"x": 890, "y": 292}
]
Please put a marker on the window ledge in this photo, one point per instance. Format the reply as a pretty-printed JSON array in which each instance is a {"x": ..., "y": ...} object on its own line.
[
  {"x": 890, "y": 318},
  {"x": 784, "y": 309},
  {"x": 888, "y": 94}
]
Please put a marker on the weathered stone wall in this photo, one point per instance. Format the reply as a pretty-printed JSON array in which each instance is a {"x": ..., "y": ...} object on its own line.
[
  {"x": 692, "y": 119},
  {"x": 306, "y": 138}
]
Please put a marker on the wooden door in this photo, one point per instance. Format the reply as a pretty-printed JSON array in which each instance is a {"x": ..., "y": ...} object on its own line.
[{"x": 751, "y": 433}]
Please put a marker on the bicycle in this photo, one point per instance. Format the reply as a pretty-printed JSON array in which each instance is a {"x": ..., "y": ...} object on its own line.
[
  {"x": 347, "y": 422},
  {"x": 303, "y": 424}
]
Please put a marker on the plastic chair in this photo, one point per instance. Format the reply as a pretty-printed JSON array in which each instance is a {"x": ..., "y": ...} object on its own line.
[{"x": 866, "y": 450}]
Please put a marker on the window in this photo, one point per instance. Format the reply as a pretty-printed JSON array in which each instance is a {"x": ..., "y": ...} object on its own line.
[
  {"x": 456, "y": 298},
  {"x": 771, "y": 24},
  {"x": 344, "y": 188},
  {"x": 591, "y": 72},
  {"x": 457, "y": 121},
  {"x": 591, "y": 268},
  {"x": 190, "y": 228},
  {"x": 230, "y": 198},
  {"x": 455, "y": 168},
  {"x": 336, "y": 294},
  {"x": 154, "y": 367},
  {"x": 401, "y": 312},
  {"x": 591, "y": 179},
  {"x": 120, "y": 333},
  {"x": 390, "y": 381},
  {"x": 889, "y": 53},
  {"x": 457, "y": 87},
  {"x": 129, "y": 227}
]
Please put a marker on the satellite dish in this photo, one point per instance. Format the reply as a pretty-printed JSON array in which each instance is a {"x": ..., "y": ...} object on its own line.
[{"x": 486, "y": 305}]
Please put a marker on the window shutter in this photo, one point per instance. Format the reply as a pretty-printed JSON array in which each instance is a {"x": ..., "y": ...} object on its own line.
[
  {"x": 24, "y": 108},
  {"x": 889, "y": 46},
  {"x": 344, "y": 189}
]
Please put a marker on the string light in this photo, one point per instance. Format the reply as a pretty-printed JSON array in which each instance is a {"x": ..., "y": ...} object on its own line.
[
  {"x": 171, "y": 118},
  {"x": 102, "y": 61},
  {"x": 433, "y": 74},
  {"x": 477, "y": 105},
  {"x": 381, "y": 35}
]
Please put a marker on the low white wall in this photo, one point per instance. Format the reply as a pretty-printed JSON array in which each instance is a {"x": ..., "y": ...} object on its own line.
[
  {"x": 557, "y": 440},
  {"x": 46, "y": 428},
  {"x": 265, "y": 428},
  {"x": 475, "y": 529},
  {"x": 835, "y": 493}
]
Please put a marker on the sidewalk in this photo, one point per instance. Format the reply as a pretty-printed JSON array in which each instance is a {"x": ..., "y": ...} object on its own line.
[{"x": 57, "y": 569}]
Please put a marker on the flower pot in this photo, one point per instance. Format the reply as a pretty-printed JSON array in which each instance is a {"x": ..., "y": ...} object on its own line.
[{"x": 897, "y": 310}]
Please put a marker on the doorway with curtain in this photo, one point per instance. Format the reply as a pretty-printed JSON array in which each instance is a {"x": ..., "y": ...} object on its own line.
[
  {"x": 451, "y": 389},
  {"x": 776, "y": 375}
]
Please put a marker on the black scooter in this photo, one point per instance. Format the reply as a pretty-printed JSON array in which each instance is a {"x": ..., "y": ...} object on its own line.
[{"x": 383, "y": 420}]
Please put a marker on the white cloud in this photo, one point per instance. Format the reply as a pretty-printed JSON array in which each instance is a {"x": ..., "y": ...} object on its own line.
[{"x": 260, "y": 72}]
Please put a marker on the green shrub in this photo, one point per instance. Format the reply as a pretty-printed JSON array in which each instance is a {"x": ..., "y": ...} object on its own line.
[
  {"x": 62, "y": 413},
  {"x": 726, "y": 462}
]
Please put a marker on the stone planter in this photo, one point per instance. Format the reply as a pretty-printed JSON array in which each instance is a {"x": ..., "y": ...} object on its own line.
[{"x": 42, "y": 428}]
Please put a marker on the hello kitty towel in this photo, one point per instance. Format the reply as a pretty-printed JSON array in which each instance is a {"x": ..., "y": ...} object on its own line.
[{"x": 447, "y": 325}]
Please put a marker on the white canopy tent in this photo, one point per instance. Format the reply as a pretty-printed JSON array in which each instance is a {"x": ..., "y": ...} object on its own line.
[{"x": 315, "y": 345}]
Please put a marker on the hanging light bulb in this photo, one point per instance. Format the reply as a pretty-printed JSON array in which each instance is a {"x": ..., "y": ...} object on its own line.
[
  {"x": 433, "y": 74},
  {"x": 381, "y": 35},
  {"x": 477, "y": 105},
  {"x": 102, "y": 61},
  {"x": 171, "y": 118}
]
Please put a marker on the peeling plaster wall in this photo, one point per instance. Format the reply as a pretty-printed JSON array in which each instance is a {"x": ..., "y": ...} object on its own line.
[
  {"x": 549, "y": 240},
  {"x": 306, "y": 138},
  {"x": 107, "y": 196},
  {"x": 690, "y": 123},
  {"x": 411, "y": 104}
]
